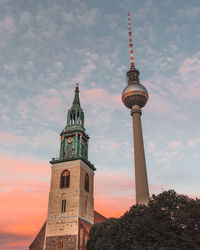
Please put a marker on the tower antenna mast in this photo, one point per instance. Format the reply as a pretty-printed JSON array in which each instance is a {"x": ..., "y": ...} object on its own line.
[{"x": 130, "y": 41}]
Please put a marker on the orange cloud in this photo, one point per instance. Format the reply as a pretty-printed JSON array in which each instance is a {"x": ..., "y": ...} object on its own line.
[
  {"x": 25, "y": 167},
  {"x": 24, "y": 208},
  {"x": 114, "y": 193},
  {"x": 24, "y": 194}
]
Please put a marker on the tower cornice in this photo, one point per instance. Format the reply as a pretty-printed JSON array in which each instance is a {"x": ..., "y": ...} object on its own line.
[{"x": 59, "y": 160}]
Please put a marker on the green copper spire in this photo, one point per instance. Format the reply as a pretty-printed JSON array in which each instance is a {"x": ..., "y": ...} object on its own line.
[
  {"x": 74, "y": 140},
  {"x": 76, "y": 96}
]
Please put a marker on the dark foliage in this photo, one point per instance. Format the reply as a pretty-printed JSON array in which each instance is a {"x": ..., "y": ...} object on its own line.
[{"x": 169, "y": 222}]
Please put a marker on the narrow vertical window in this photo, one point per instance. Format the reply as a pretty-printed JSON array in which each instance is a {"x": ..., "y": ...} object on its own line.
[
  {"x": 81, "y": 238},
  {"x": 86, "y": 182},
  {"x": 86, "y": 206},
  {"x": 63, "y": 209},
  {"x": 86, "y": 238},
  {"x": 60, "y": 244},
  {"x": 65, "y": 179}
]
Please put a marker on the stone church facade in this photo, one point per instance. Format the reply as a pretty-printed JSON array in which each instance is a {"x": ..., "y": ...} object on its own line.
[{"x": 71, "y": 200}]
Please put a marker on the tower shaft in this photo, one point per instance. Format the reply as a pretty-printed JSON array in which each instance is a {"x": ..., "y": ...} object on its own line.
[{"x": 141, "y": 181}]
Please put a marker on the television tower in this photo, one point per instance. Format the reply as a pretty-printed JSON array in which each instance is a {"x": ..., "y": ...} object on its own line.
[{"x": 134, "y": 97}]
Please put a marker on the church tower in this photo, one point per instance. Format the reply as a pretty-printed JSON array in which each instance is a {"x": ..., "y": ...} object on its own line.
[
  {"x": 134, "y": 97},
  {"x": 71, "y": 202}
]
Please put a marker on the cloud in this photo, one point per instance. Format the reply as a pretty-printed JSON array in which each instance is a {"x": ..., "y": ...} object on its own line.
[
  {"x": 46, "y": 106},
  {"x": 22, "y": 168},
  {"x": 190, "y": 11},
  {"x": 194, "y": 142},
  {"x": 151, "y": 147},
  {"x": 175, "y": 144},
  {"x": 24, "y": 187},
  {"x": 85, "y": 72},
  {"x": 186, "y": 84},
  {"x": 7, "y": 24},
  {"x": 114, "y": 193},
  {"x": 30, "y": 207},
  {"x": 80, "y": 15},
  {"x": 8, "y": 138},
  {"x": 42, "y": 138},
  {"x": 190, "y": 65},
  {"x": 14, "y": 241},
  {"x": 101, "y": 98}
]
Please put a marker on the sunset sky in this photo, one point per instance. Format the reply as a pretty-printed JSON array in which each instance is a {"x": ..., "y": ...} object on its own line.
[{"x": 46, "y": 48}]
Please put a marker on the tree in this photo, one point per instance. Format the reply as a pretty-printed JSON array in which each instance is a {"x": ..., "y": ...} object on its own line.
[{"x": 169, "y": 222}]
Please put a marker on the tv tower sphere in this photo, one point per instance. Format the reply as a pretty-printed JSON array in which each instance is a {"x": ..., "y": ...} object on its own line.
[{"x": 134, "y": 93}]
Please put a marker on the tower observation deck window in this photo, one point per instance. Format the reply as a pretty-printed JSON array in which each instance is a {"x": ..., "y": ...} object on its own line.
[
  {"x": 65, "y": 179},
  {"x": 86, "y": 182}
]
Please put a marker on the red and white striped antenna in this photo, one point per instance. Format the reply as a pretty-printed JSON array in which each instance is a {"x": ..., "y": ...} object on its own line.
[{"x": 130, "y": 41}]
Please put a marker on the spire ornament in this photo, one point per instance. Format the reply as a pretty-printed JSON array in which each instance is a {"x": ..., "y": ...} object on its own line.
[{"x": 76, "y": 96}]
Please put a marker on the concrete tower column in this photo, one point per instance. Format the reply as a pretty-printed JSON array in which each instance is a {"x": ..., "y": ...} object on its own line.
[{"x": 141, "y": 181}]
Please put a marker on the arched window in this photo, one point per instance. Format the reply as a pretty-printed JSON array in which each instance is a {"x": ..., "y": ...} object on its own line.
[
  {"x": 65, "y": 179},
  {"x": 72, "y": 117},
  {"x": 86, "y": 182},
  {"x": 82, "y": 119},
  {"x": 78, "y": 120}
]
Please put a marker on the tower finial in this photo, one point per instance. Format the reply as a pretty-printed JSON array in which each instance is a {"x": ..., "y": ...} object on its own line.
[
  {"x": 76, "y": 96},
  {"x": 130, "y": 41}
]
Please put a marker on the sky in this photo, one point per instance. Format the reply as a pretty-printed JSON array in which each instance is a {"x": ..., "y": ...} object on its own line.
[{"x": 46, "y": 48}]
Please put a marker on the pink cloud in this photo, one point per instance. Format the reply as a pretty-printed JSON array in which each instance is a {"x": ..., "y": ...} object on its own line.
[
  {"x": 101, "y": 97},
  {"x": 194, "y": 142},
  {"x": 46, "y": 106},
  {"x": 9, "y": 138},
  {"x": 188, "y": 85},
  {"x": 190, "y": 65},
  {"x": 115, "y": 192},
  {"x": 25, "y": 166},
  {"x": 7, "y": 24},
  {"x": 175, "y": 144}
]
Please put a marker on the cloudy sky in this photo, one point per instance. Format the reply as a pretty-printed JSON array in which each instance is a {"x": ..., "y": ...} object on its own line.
[{"x": 46, "y": 48}]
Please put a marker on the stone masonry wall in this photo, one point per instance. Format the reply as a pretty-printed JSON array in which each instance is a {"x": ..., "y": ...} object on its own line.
[
  {"x": 70, "y": 242},
  {"x": 38, "y": 243}
]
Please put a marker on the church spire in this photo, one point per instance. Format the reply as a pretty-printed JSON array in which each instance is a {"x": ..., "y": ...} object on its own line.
[
  {"x": 75, "y": 116},
  {"x": 74, "y": 140},
  {"x": 76, "y": 96}
]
